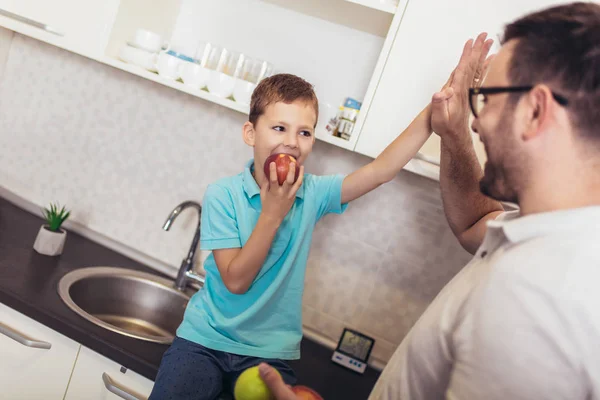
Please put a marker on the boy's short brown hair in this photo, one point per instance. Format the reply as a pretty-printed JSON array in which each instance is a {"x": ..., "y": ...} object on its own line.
[{"x": 285, "y": 88}]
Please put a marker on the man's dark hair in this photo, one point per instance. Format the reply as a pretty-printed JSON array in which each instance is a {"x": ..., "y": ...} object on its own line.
[{"x": 560, "y": 47}]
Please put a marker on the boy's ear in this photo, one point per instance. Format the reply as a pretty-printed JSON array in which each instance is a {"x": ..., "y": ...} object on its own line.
[{"x": 249, "y": 133}]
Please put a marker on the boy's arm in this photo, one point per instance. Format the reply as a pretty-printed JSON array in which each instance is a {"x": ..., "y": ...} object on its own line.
[
  {"x": 389, "y": 163},
  {"x": 239, "y": 266}
]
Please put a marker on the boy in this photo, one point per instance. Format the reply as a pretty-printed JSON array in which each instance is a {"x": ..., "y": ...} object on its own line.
[{"x": 249, "y": 310}]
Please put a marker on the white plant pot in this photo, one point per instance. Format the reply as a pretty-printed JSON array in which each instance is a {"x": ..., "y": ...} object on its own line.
[{"x": 48, "y": 242}]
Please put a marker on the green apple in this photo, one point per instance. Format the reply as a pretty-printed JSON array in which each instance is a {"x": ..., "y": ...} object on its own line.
[{"x": 250, "y": 386}]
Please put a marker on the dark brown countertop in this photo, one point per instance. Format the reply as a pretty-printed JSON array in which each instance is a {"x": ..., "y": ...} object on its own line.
[{"x": 28, "y": 283}]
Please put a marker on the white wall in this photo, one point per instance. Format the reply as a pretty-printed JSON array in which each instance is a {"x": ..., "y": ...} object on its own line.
[{"x": 6, "y": 37}]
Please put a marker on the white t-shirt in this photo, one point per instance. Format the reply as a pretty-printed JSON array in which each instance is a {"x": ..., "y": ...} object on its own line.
[{"x": 520, "y": 321}]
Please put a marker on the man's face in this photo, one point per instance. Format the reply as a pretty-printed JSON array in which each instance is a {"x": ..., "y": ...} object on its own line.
[{"x": 496, "y": 128}]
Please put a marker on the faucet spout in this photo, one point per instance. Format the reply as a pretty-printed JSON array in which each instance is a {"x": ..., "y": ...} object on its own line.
[{"x": 186, "y": 269}]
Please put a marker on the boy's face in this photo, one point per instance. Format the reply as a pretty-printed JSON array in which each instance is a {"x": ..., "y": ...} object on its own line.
[{"x": 282, "y": 128}]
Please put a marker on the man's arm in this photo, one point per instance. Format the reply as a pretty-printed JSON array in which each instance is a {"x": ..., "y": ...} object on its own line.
[
  {"x": 389, "y": 163},
  {"x": 466, "y": 208}
]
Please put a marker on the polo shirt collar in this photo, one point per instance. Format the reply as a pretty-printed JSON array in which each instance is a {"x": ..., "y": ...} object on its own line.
[{"x": 518, "y": 229}]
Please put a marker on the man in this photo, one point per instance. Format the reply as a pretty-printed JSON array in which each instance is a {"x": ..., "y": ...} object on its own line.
[{"x": 522, "y": 319}]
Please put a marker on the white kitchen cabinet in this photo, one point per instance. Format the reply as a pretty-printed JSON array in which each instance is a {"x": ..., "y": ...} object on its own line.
[
  {"x": 35, "y": 361},
  {"x": 95, "y": 377},
  {"x": 81, "y": 26},
  {"x": 426, "y": 47}
]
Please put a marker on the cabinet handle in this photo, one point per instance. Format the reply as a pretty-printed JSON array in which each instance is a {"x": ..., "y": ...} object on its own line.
[
  {"x": 14, "y": 335},
  {"x": 31, "y": 22},
  {"x": 119, "y": 390}
]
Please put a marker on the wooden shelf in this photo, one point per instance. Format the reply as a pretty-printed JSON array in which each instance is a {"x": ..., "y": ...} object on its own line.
[{"x": 377, "y": 5}]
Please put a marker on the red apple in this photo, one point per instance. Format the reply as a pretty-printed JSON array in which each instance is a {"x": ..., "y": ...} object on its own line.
[
  {"x": 306, "y": 393},
  {"x": 282, "y": 165}
]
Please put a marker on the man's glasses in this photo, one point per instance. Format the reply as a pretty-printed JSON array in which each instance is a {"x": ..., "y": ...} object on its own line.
[{"x": 477, "y": 96}]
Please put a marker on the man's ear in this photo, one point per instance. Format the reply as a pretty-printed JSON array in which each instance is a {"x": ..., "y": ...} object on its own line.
[
  {"x": 249, "y": 133},
  {"x": 540, "y": 103}
]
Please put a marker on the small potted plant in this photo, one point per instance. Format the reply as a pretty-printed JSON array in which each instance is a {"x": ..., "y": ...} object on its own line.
[{"x": 51, "y": 238}]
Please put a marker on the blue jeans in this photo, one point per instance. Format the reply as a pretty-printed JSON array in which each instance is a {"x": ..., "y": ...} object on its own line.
[{"x": 189, "y": 371}]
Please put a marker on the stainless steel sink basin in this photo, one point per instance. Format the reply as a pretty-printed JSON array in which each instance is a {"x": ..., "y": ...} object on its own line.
[{"x": 128, "y": 302}]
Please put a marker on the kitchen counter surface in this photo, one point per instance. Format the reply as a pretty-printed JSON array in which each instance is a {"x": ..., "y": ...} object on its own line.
[{"x": 28, "y": 283}]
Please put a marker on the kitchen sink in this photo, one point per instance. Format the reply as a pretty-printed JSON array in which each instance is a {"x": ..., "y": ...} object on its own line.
[{"x": 132, "y": 303}]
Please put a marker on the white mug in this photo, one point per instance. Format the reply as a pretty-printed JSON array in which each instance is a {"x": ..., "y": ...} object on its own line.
[
  {"x": 168, "y": 66},
  {"x": 147, "y": 40}
]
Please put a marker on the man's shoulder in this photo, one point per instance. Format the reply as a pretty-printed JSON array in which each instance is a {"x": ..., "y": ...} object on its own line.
[{"x": 554, "y": 264}]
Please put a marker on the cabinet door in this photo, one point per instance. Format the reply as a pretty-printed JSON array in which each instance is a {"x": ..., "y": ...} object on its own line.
[
  {"x": 83, "y": 25},
  {"x": 427, "y": 46},
  {"x": 97, "y": 378},
  {"x": 35, "y": 361}
]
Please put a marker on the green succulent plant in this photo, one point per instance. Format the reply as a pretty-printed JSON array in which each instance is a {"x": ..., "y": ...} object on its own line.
[{"x": 55, "y": 216}]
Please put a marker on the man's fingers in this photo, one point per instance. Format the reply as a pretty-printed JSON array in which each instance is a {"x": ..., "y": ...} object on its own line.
[
  {"x": 463, "y": 64},
  {"x": 275, "y": 383},
  {"x": 482, "y": 62},
  {"x": 478, "y": 47},
  {"x": 442, "y": 96},
  {"x": 484, "y": 68}
]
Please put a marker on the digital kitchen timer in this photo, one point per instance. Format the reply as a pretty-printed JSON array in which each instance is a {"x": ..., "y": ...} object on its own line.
[{"x": 353, "y": 350}]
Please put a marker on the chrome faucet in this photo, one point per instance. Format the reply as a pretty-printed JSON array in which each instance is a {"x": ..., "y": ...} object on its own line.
[{"x": 186, "y": 270}]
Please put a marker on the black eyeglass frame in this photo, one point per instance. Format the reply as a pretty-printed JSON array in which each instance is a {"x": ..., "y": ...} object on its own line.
[{"x": 562, "y": 100}]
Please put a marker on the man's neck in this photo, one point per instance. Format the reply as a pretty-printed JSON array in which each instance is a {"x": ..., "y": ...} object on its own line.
[{"x": 560, "y": 194}]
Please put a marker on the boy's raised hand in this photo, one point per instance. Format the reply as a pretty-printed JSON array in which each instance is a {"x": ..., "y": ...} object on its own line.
[{"x": 277, "y": 200}]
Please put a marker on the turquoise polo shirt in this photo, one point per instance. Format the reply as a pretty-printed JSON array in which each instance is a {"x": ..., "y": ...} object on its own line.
[{"x": 266, "y": 321}]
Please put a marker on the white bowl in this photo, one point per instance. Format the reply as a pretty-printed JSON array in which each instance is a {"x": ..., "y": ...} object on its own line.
[
  {"x": 147, "y": 40},
  {"x": 242, "y": 91},
  {"x": 194, "y": 76},
  {"x": 139, "y": 57},
  {"x": 169, "y": 66},
  {"x": 220, "y": 84}
]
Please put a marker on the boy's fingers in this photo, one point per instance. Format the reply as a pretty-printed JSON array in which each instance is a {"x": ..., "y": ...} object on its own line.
[
  {"x": 273, "y": 173},
  {"x": 300, "y": 179},
  {"x": 291, "y": 174}
]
